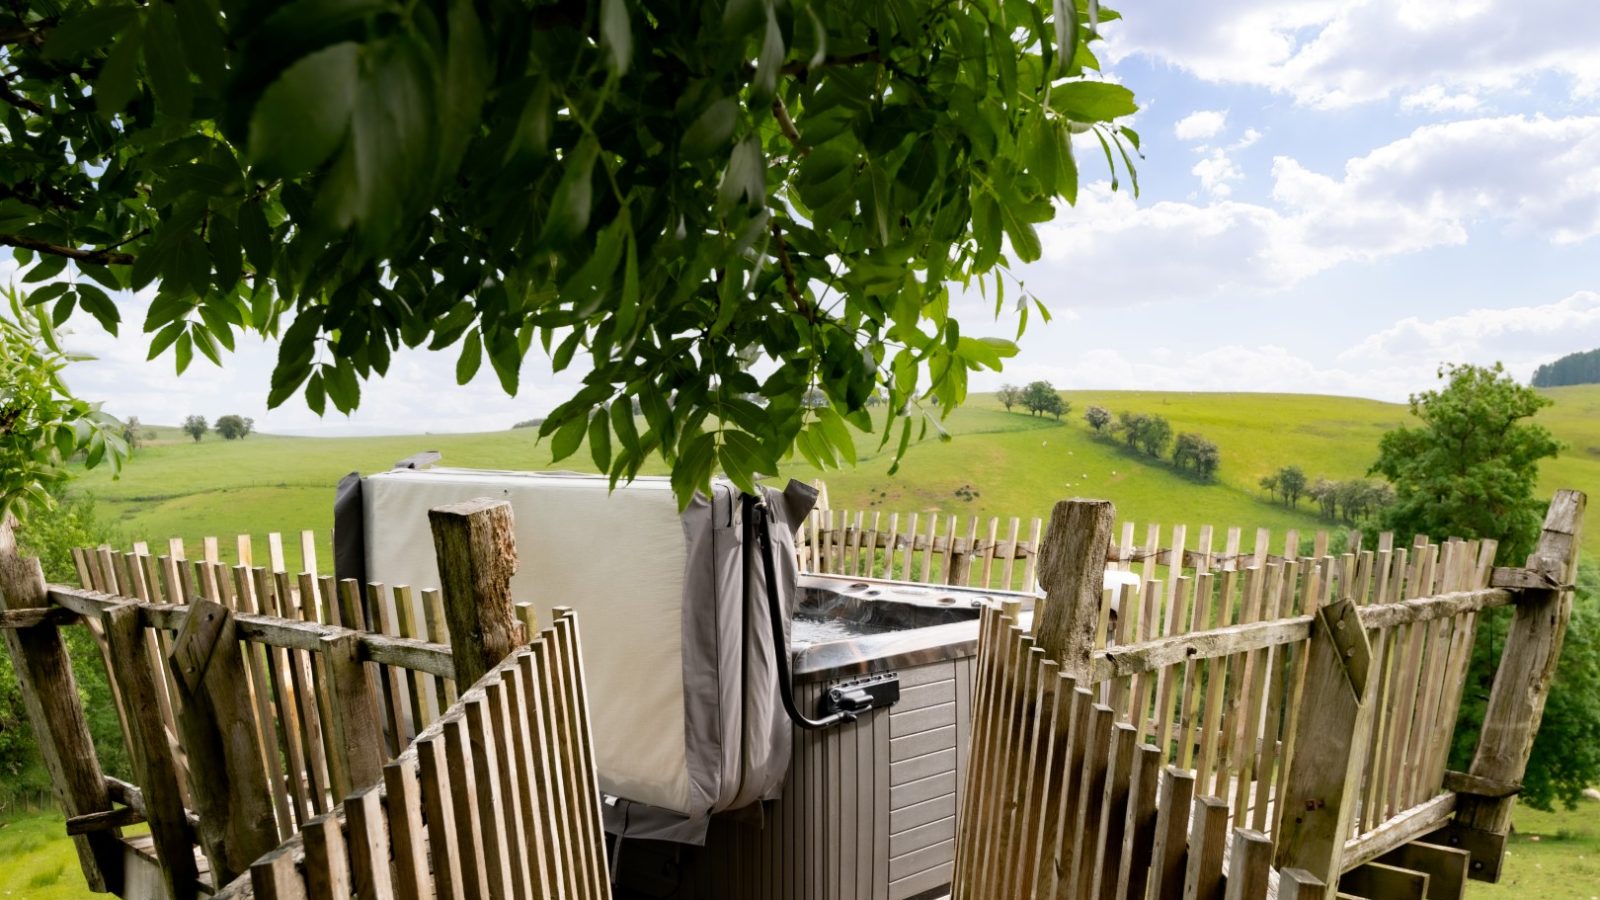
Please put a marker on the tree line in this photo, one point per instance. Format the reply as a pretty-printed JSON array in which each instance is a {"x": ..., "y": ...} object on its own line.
[
  {"x": 1039, "y": 398},
  {"x": 1574, "y": 368},
  {"x": 1350, "y": 500},
  {"x": 230, "y": 427}
]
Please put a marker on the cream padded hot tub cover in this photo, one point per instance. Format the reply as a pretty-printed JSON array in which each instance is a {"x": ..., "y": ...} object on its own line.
[{"x": 621, "y": 560}]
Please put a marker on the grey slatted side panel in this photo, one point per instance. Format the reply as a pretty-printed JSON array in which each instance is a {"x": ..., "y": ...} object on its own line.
[
  {"x": 923, "y": 755},
  {"x": 867, "y": 812}
]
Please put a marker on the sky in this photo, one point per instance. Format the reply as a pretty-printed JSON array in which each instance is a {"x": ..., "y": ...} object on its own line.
[{"x": 1336, "y": 197}]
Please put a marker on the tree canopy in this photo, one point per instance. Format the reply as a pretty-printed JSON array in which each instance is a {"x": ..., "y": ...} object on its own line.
[
  {"x": 667, "y": 191},
  {"x": 1469, "y": 469},
  {"x": 42, "y": 425}
]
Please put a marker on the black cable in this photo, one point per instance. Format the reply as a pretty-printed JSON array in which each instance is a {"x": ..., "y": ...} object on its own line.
[{"x": 756, "y": 509}]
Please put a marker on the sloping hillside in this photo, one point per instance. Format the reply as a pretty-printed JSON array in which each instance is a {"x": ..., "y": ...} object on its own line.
[{"x": 1001, "y": 463}]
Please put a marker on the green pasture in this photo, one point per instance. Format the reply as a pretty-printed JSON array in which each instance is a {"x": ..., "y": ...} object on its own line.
[{"x": 997, "y": 464}]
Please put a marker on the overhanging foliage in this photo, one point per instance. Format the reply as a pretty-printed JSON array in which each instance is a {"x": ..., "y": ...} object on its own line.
[{"x": 673, "y": 190}]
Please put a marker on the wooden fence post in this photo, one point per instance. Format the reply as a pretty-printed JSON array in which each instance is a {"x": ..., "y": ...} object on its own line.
[
  {"x": 356, "y": 734},
  {"x": 50, "y": 692},
  {"x": 228, "y": 781},
  {"x": 155, "y": 768},
  {"x": 1324, "y": 778},
  {"x": 1521, "y": 686},
  {"x": 1072, "y": 569},
  {"x": 477, "y": 553}
]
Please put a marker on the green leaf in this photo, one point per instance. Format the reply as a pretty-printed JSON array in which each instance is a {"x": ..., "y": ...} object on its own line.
[
  {"x": 1024, "y": 239},
  {"x": 744, "y": 179},
  {"x": 616, "y": 36},
  {"x": 713, "y": 128},
  {"x": 838, "y": 434},
  {"x": 98, "y": 304},
  {"x": 468, "y": 72},
  {"x": 165, "y": 63},
  {"x": 63, "y": 310},
  {"x": 568, "y": 438},
  {"x": 622, "y": 423},
  {"x": 770, "y": 60},
  {"x": 118, "y": 82},
  {"x": 574, "y": 196},
  {"x": 303, "y": 116},
  {"x": 101, "y": 274},
  {"x": 600, "y": 440},
  {"x": 471, "y": 357},
  {"x": 87, "y": 32},
  {"x": 1092, "y": 101},
  {"x": 47, "y": 293},
  {"x": 164, "y": 338},
  {"x": 206, "y": 345},
  {"x": 48, "y": 267},
  {"x": 255, "y": 237},
  {"x": 316, "y": 395},
  {"x": 184, "y": 353},
  {"x": 226, "y": 255}
]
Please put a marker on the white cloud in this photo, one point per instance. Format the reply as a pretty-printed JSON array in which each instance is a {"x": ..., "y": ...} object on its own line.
[
  {"x": 1389, "y": 364},
  {"x": 1201, "y": 125},
  {"x": 1433, "y": 188},
  {"x": 1216, "y": 172},
  {"x": 1335, "y": 53},
  {"x": 1523, "y": 337},
  {"x": 1436, "y": 99}
]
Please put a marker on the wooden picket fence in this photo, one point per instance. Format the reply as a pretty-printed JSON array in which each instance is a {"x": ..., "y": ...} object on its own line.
[
  {"x": 1277, "y": 725},
  {"x": 294, "y": 736},
  {"x": 947, "y": 550}
]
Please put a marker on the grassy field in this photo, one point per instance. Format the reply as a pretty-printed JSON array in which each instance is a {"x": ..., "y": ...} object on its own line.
[
  {"x": 1007, "y": 463},
  {"x": 1556, "y": 855}
]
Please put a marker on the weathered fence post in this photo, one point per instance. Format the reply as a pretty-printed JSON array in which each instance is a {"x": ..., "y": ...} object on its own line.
[
  {"x": 228, "y": 780},
  {"x": 155, "y": 768},
  {"x": 50, "y": 692},
  {"x": 1072, "y": 570},
  {"x": 356, "y": 734},
  {"x": 1324, "y": 778},
  {"x": 1521, "y": 686},
  {"x": 477, "y": 554}
]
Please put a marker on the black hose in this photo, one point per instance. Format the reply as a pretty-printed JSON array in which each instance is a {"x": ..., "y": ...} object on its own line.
[{"x": 758, "y": 514}]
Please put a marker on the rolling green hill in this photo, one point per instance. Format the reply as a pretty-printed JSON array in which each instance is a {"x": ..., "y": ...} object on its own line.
[{"x": 1009, "y": 463}]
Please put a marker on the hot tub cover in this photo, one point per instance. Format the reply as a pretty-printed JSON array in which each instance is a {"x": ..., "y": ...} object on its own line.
[{"x": 676, "y": 638}]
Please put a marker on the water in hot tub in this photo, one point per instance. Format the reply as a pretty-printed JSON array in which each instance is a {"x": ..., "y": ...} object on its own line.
[{"x": 807, "y": 630}]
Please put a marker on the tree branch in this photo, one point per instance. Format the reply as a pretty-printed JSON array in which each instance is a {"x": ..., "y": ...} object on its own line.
[
  {"x": 15, "y": 99},
  {"x": 786, "y": 125},
  {"x": 852, "y": 59},
  {"x": 789, "y": 283},
  {"x": 99, "y": 257}
]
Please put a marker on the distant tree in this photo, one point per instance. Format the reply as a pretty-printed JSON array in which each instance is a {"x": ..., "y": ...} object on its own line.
[
  {"x": 1155, "y": 436},
  {"x": 1193, "y": 451},
  {"x": 1470, "y": 469},
  {"x": 528, "y": 423},
  {"x": 1129, "y": 426},
  {"x": 1098, "y": 417},
  {"x": 1057, "y": 405},
  {"x": 195, "y": 427},
  {"x": 1269, "y": 483},
  {"x": 132, "y": 432},
  {"x": 1040, "y": 397},
  {"x": 1009, "y": 395},
  {"x": 235, "y": 427},
  {"x": 1291, "y": 484},
  {"x": 1574, "y": 368},
  {"x": 1325, "y": 493}
]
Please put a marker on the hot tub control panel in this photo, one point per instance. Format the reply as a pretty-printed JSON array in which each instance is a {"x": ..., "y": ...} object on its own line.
[{"x": 861, "y": 695}]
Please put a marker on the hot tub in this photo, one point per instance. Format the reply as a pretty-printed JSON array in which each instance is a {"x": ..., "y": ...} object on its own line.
[{"x": 868, "y": 809}]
